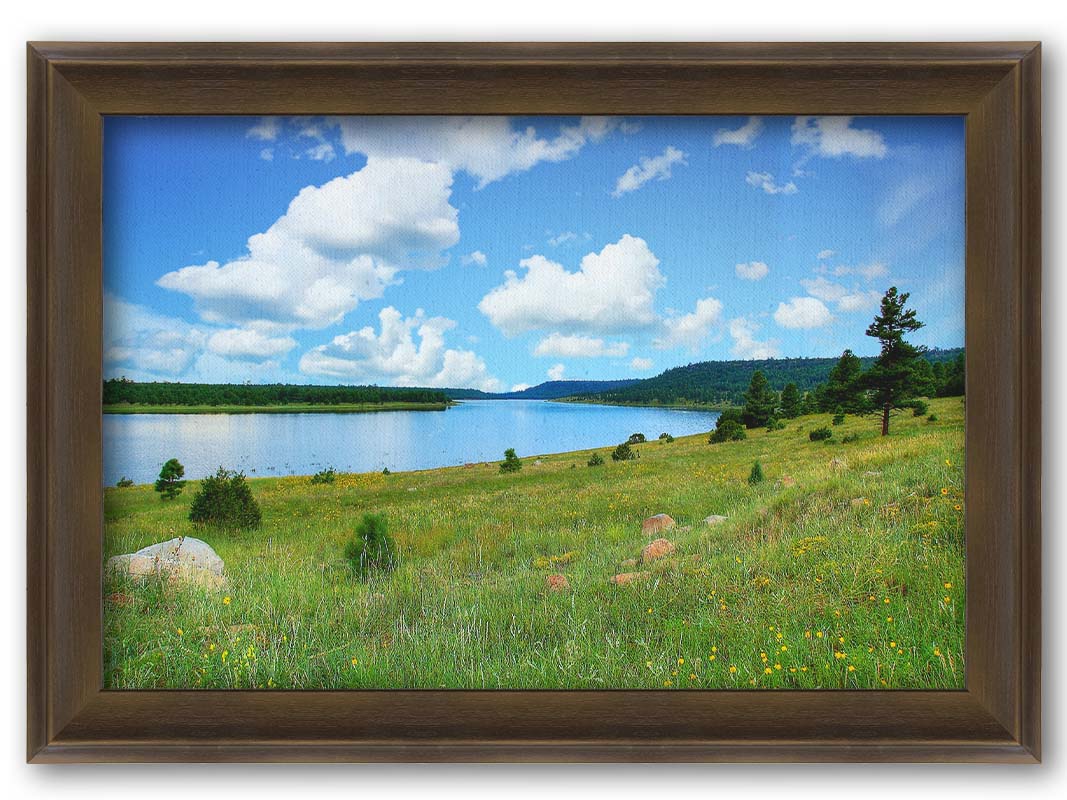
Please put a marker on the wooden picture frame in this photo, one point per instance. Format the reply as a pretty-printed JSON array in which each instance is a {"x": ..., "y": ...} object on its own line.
[{"x": 995, "y": 85}]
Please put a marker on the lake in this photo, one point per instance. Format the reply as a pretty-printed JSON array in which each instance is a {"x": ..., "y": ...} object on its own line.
[{"x": 136, "y": 445}]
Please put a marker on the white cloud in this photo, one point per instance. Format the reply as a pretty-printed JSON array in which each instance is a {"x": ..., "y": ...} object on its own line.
[
  {"x": 690, "y": 329},
  {"x": 140, "y": 341},
  {"x": 752, "y": 271},
  {"x": 642, "y": 364},
  {"x": 765, "y": 181},
  {"x": 746, "y": 346},
  {"x": 520, "y": 387},
  {"x": 244, "y": 343},
  {"x": 825, "y": 254},
  {"x": 323, "y": 151},
  {"x": 868, "y": 272},
  {"x": 845, "y": 298},
  {"x": 832, "y": 137},
  {"x": 647, "y": 169},
  {"x": 579, "y": 347},
  {"x": 860, "y": 300},
  {"x": 743, "y": 136},
  {"x": 486, "y": 147},
  {"x": 904, "y": 198},
  {"x": 336, "y": 245},
  {"x": 267, "y": 153},
  {"x": 612, "y": 291},
  {"x": 266, "y": 129},
  {"x": 562, "y": 238},
  {"x": 555, "y": 372},
  {"x": 392, "y": 355},
  {"x": 824, "y": 290},
  {"x": 477, "y": 257},
  {"x": 802, "y": 312}
]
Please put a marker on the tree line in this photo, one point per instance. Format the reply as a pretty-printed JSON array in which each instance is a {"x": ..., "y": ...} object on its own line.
[{"x": 123, "y": 391}]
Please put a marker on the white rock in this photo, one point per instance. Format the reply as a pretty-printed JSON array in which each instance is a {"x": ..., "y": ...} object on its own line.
[{"x": 180, "y": 560}]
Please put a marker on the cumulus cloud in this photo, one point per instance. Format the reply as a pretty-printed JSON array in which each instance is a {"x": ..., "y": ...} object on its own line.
[
  {"x": 555, "y": 372},
  {"x": 647, "y": 169},
  {"x": 802, "y": 312},
  {"x": 265, "y": 129},
  {"x": 689, "y": 330},
  {"x": 579, "y": 347},
  {"x": 765, "y": 181},
  {"x": 323, "y": 151},
  {"x": 520, "y": 387},
  {"x": 833, "y": 137},
  {"x": 267, "y": 153},
  {"x": 825, "y": 254},
  {"x": 139, "y": 340},
  {"x": 846, "y": 299},
  {"x": 742, "y": 137},
  {"x": 566, "y": 236},
  {"x": 487, "y": 148},
  {"x": 746, "y": 346},
  {"x": 248, "y": 344},
  {"x": 752, "y": 271},
  {"x": 612, "y": 291},
  {"x": 859, "y": 300},
  {"x": 477, "y": 257},
  {"x": 641, "y": 364},
  {"x": 904, "y": 198},
  {"x": 393, "y": 356},
  {"x": 823, "y": 289},
  {"x": 869, "y": 272},
  {"x": 337, "y": 244}
]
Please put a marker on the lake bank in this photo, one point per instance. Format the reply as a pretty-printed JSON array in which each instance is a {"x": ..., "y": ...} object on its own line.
[{"x": 290, "y": 408}]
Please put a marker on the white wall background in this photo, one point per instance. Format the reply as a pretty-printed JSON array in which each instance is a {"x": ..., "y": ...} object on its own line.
[{"x": 495, "y": 20}]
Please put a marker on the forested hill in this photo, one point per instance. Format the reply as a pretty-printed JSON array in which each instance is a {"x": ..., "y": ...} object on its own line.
[
  {"x": 549, "y": 390},
  {"x": 118, "y": 391},
  {"x": 725, "y": 382}
]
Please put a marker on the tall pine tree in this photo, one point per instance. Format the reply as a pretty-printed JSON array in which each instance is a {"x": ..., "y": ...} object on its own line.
[
  {"x": 892, "y": 377},
  {"x": 790, "y": 401},
  {"x": 843, "y": 387},
  {"x": 760, "y": 402}
]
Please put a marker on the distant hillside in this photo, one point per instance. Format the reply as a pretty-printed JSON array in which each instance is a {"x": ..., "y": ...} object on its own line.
[
  {"x": 724, "y": 382},
  {"x": 549, "y": 390}
]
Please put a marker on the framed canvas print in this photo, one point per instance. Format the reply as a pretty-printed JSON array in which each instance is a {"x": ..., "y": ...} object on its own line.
[{"x": 534, "y": 402}]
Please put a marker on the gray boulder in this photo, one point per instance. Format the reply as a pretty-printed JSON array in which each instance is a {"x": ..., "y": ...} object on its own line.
[
  {"x": 180, "y": 560},
  {"x": 715, "y": 519}
]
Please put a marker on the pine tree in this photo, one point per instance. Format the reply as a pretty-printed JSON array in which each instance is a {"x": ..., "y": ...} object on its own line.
[
  {"x": 790, "y": 401},
  {"x": 892, "y": 377},
  {"x": 169, "y": 484},
  {"x": 843, "y": 386},
  {"x": 760, "y": 402}
]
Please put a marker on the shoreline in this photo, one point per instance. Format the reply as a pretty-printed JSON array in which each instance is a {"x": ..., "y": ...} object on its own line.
[{"x": 292, "y": 408}]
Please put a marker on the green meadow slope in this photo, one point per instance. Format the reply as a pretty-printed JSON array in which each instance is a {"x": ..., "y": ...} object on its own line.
[{"x": 825, "y": 575}]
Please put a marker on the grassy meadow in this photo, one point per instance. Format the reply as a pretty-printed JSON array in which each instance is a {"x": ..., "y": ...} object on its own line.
[{"x": 823, "y": 576}]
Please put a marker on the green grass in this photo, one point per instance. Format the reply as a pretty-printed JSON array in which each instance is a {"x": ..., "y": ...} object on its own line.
[
  {"x": 801, "y": 586},
  {"x": 289, "y": 408}
]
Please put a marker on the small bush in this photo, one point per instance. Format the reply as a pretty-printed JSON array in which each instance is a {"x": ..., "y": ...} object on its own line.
[
  {"x": 596, "y": 461},
  {"x": 774, "y": 424},
  {"x": 371, "y": 548},
  {"x": 919, "y": 408},
  {"x": 324, "y": 476},
  {"x": 932, "y": 418},
  {"x": 386, "y": 471},
  {"x": 730, "y": 415},
  {"x": 169, "y": 484},
  {"x": 511, "y": 462},
  {"x": 666, "y": 439},
  {"x": 756, "y": 475},
  {"x": 850, "y": 438},
  {"x": 636, "y": 438},
  {"x": 225, "y": 500},
  {"x": 624, "y": 453},
  {"x": 124, "y": 482},
  {"x": 820, "y": 434},
  {"x": 729, "y": 431},
  {"x": 839, "y": 416}
]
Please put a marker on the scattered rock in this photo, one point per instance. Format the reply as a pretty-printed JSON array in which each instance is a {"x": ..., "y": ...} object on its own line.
[
  {"x": 538, "y": 462},
  {"x": 859, "y": 502},
  {"x": 872, "y": 474},
  {"x": 657, "y": 523},
  {"x": 413, "y": 488},
  {"x": 657, "y": 549},
  {"x": 838, "y": 463},
  {"x": 788, "y": 480},
  {"x": 715, "y": 519},
  {"x": 182, "y": 560},
  {"x": 629, "y": 562},
  {"x": 626, "y": 578},
  {"x": 558, "y": 583}
]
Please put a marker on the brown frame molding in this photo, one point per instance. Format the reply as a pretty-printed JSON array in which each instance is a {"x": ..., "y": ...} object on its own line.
[{"x": 997, "y": 87}]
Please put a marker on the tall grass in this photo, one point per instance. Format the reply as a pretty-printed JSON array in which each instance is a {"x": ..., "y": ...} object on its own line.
[{"x": 821, "y": 577}]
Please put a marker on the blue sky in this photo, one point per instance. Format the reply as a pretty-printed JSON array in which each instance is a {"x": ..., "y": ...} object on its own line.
[{"x": 499, "y": 252}]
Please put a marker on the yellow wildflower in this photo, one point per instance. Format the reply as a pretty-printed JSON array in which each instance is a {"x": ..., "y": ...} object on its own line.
[{"x": 226, "y": 600}]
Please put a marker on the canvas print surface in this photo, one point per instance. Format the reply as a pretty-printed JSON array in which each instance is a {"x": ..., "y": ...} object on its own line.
[{"x": 666, "y": 403}]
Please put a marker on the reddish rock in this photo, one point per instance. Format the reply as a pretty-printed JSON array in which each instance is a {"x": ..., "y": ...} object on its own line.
[
  {"x": 625, "y": 578},
  {"x": 557, "y": 583},
  {"x": 657, "y": 523},
  {"x": 629, "y": 562},
  {"x": 657, "y": 549}
]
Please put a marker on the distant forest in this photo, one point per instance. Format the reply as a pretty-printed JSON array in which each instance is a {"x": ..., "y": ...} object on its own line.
[
  {"x": 723, "y": 383},
  {"x": 120, "y": 390},
  {"x": 549, "y": 390}
]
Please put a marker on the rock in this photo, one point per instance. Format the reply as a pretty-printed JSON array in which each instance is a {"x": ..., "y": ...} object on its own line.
[
  {"x": 789, "y": 480},
  {"x": 657, "y": 523},
  {"x": 538, "y": 462},
  {"x": 657, "y": 549},
  {"x": 715, "y": 519},
  {"x": 181, "y": 560},
  {"x": 557, "y": 583},
  {"x": 872, "y": 474},
  {"x": 838, "y": 463},
  {"x": 626, "y": 578},
  {"x": 859, "y": 502},
  {"x": 629, "y": 562}
]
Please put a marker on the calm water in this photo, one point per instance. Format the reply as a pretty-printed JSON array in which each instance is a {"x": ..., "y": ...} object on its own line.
[{"x": 136, "y": 445}]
